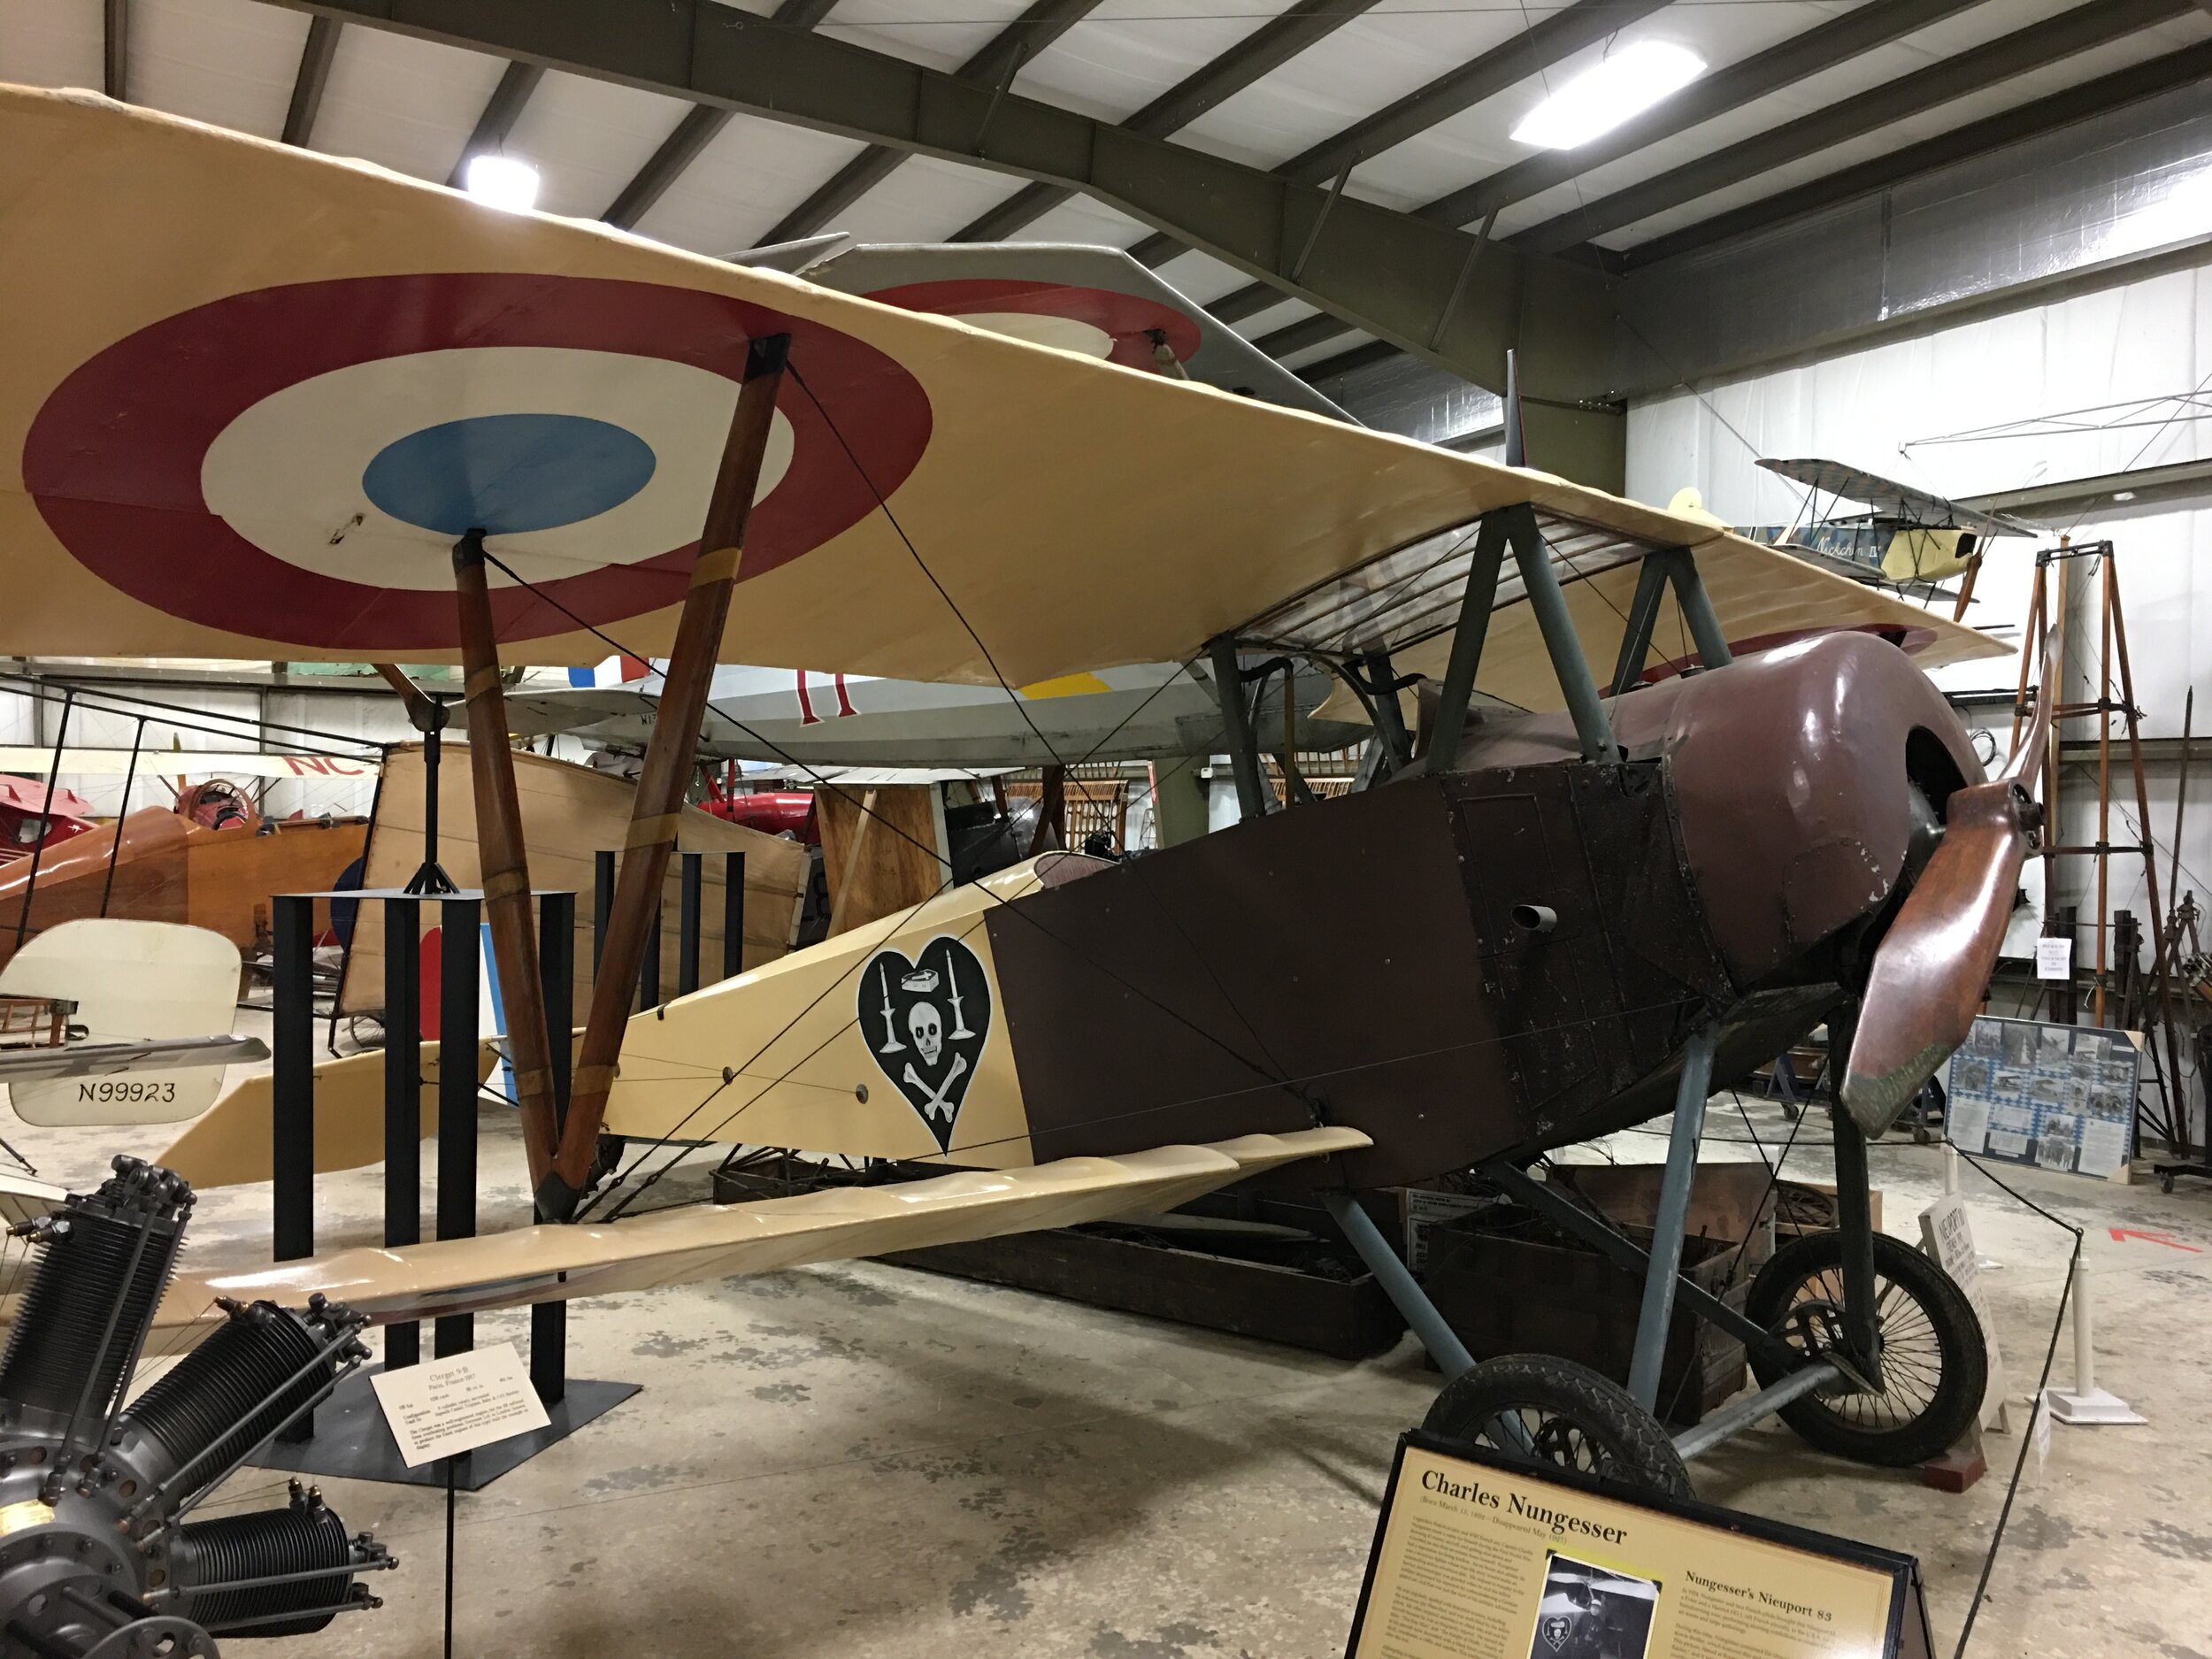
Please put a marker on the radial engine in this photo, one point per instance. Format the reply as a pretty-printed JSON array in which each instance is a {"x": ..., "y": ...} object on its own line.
[{"x": 96, "y": 1558}]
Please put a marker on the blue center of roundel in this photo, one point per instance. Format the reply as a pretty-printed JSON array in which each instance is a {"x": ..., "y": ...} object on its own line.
[{"x": 507, "y": 474}]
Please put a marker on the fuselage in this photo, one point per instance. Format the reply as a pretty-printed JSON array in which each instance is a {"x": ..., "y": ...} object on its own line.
[{"x": 1499, "y": 957}]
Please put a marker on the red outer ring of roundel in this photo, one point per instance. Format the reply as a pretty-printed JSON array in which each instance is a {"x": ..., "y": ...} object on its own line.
[
  {"x": 113, "y": 457},
  {"x": 1128, "y": 318}
]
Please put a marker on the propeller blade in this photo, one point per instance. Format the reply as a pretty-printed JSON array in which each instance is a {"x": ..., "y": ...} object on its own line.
[{"x": 1931, "y": 969}]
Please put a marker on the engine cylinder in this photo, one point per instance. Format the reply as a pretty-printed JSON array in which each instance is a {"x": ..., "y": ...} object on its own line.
[
  {"x": 226, "y": 1397},
  {"x": 306, "y": 1538},
  {"x": 106, "y": 1259}
]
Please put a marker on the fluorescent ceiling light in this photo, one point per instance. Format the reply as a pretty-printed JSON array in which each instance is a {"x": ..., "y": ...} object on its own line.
[
  {"x": 1625, "y": 84},
  {"x": 502, "y": 181}
]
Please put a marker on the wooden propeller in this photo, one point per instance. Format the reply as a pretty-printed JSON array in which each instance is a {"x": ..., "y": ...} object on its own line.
[{"x": 1931, "y": 969}]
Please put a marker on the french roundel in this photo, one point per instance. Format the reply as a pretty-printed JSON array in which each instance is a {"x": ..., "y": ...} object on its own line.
[
  {"x": 296, "y": 463},
  {"x": 1097, "y": 322}
]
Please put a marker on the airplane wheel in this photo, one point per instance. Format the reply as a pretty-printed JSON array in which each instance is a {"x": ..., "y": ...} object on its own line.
[
  {"x": 1567, "y": 1415},
  {"x": 1935, "y": 1364}
]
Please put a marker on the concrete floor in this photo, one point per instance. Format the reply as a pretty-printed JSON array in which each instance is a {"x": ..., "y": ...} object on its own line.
[{"x": 860, "y": 1459}]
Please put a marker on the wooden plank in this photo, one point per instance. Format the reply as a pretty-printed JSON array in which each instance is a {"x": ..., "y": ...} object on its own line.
[
  {"x": 877, "y": 850},
  {"x": 569, "y": 813},
  {"x": 230, "y": 875}
]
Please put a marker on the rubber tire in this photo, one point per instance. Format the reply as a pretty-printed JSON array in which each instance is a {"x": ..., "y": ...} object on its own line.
[
  {"x": 1965, "y": 1356},
  {"x": 1639, "y": 1451}
]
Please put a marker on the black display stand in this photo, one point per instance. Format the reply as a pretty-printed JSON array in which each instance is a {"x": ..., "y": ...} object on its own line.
[{"x": 346, "y": 1435}]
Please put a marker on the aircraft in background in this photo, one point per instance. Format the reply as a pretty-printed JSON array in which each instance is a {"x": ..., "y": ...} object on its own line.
[{"x": 1907, "y": 535}]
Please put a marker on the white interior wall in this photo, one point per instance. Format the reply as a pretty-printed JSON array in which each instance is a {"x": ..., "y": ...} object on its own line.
[{"x": 1878, "y": 408}]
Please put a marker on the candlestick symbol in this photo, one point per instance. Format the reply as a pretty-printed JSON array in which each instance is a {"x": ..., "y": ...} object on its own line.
[
  {"x": 891, "y": 1043},
  {"x": 952, "y": 990}
]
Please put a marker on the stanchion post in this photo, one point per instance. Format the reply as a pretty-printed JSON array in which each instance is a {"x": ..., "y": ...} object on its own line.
[
  {"x": 556, "y": 970},
  {"x": 462, "y": 954},
  {"x": 403, "y": 1102},
  {"x": 688, "y": 921},
  {"x": 732, "y": 914},
  {"x": 292, "y": 1048}
]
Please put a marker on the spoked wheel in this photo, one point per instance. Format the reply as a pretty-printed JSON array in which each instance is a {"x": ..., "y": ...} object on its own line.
[
  {"x": 1934, "y": 1363},
  {"x": 1535, "y": 1408}
]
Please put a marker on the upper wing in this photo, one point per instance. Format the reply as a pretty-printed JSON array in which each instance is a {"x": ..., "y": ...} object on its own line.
[
  {"x": 551, "y": 1264},
  {"x": 257, "y": 393},
  {"x": 1095, "y": 301},
  {"x": 1901, "y": 501}
]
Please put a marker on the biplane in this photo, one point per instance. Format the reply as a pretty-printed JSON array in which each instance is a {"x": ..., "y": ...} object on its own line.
[
  {"x": 453, "y": 432},
  {"x": 1906, "y": 534}
]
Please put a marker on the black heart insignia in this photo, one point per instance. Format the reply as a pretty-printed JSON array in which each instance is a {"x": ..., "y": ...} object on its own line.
[{"x": 926, "y": 1022}]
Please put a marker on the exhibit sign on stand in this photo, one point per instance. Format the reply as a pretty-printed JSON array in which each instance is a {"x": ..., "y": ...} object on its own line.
[
  {"x": 2057, "y": 1097},
  {"x": 1476, "y": 1557}
]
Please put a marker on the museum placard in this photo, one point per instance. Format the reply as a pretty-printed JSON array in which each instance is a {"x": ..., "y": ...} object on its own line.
[{"x": 1479, "y": 1558}]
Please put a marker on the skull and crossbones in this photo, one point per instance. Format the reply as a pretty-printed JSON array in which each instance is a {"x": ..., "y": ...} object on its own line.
[{"x": 926, "y": 1026}]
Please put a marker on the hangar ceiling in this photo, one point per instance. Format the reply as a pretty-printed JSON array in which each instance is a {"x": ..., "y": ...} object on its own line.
[{"x": 1312, "y": 171}]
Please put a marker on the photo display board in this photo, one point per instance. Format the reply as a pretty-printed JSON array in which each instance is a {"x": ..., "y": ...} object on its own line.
[
  {"x": 2060, "y": 1097},
  {"x": 1479, "y": 1558}
]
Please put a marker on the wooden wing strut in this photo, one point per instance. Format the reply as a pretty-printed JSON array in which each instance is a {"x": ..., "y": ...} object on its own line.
[{"x": 669, "y": 759}]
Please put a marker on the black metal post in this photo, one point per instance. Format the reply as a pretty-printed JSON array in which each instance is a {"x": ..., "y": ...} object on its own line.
[
  {"x": 403, "y": 1102},
  {"x": 292, "y": 1092},
  {"x": 648, "y": 978},
  {"x": 122, "y": 811},
  {"x": 687, "y": 921},
  {"x": 1236, "y": 724},
  {"x": 46, "y": 819},
  {"x": 292, "y": 1096},
  {"x": 430, "y": 878},
  {"x": 602, "y": 904},
  {"x": 462, "y": 953},
  {"x": 732, "y": 914},
  {"x": 557, "y": 973}
]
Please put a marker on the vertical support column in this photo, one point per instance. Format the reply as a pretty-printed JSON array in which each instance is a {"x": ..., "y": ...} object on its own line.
[
  {"x": 649, "y": 983},
  {"x": 556, "y": 971},
  {"x": 687, "y": 920},
  {"x": 1560, "y": 642},
  {"x": 403, "y": 1102},
  {"x": 1475, "y": 606},
  {"x": 292, "y": 1096},
  {"x": 1661, "y": 1276},
  {"x": 602, "y": 902},
  {"x": 670, "y": 759},
  {"x": 1236, "y": 728},
  {"x": 732, "y": 914},
  {"x": 292, "y": 1092},
  {"x": 461, "y": 927}
]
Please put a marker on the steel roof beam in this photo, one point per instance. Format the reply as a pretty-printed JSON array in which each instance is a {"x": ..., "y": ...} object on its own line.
[
  {"x": 997, "y": 65},
  {"x": 1533, "y": 51},
  {"x": 115, "y": 48},
  {"x": 1262, "y": 52},
  {"x": 314, "y": 75},
  {"x": 1418, "y": 284},
  {"x": 693, "y": 135},
  {"x": 501, "y": 111},
  {"x": 2035, "y": 47},
  {"x": 1837, "y": 41},
  {"x": 2087, "y": 101}
]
